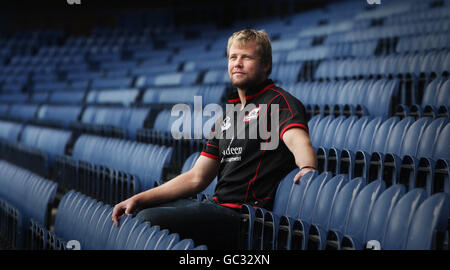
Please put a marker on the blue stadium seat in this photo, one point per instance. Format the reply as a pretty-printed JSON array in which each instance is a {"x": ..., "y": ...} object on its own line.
[
  {"x": 116, "y": 153},
  {"x": 389, "y": 141},
  {"x": 396, "y": 233},
  {"x": 378, "y": 219},
  {"x": 63, "y": 114},
  {"x": 10, "y": 131},
  {"x": 358, "y": 216},
  {"x": 301, "y": 219},
  {"x": 430, "y": 221},
  {"x": 18, "y": 183},
  {"x": 318, "y": 233},
  {"x": 89, "y": 222}
]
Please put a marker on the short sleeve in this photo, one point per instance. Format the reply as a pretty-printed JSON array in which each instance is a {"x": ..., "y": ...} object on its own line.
[
  {"x": 211, "y": 147},
  {"x": 292, "y": 115}
]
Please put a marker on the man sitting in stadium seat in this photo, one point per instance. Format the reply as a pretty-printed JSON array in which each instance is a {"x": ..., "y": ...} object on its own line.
[{"x": 248, "y": 171}]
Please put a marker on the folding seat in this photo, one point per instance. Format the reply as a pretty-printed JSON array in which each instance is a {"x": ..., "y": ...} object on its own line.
[
  {"x": 357, "y": 161},
  {"x": 391, "y": 143},
  {"x": 10, "y": 131},
  {"x": 114, "y": 232},
  {"x": 378, "y": 219},
  {"x": 321, "y": 127},
  {"x": 125, "y": 233},
  {"x": 443, "y": 100},
  {"x": 215, "y": 76},
  {"x": 158, "y": 238},
  {"x": 287, "y": 204},
  {"x": 72, "y": 97},
  {"x": 104, "y": 228},
  {"x": 335, "y": 102},
  {"x": 23, "y": 111},
  {"x": 318, "y": 233},
  {"x": 347, "y": 142},
  {"x": 418, "y": 170},
  {"x": 62, "y": 211},
  {"x": 397, "y": 152},
  {"x": 126, "y": 97},
  {"x": 168, "y": 242},
  {"x": 430, "y": 221},
  {"x": 312, "y": 123},
  {"x": 431, "y": 100},
  {"x": 357, "y": 220},
  {"x": 91, "y": 223},
  {"x": 400, "y": 220},
  {"x": 136, "y": 234},
  {"x": 328, "y": 134},
  {"x": 111, "y": 83},
  {"x": 63, "y": 114},
  {"x": 336, "y": 144},
  {"x": 440, "y": 177},
  {"x": 81, "y": 223},
  {"x": 381, "y": 103},
  {"x": 293, "y": 226},
  {"x": 185, "y": 244},
  {"x": 248, "y": 212}
]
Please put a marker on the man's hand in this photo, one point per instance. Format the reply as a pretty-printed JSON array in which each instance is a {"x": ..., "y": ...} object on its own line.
[
  {"x": 123, "y": 208},
  {"x": 301, "y": 173}
]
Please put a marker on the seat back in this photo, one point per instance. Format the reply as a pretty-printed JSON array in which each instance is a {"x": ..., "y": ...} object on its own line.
[
  {"x": 344, "y": 202},
  {"x": 410, "y": 142},
  {"x": 362, "y": 208},
  {"x": 326, "y": 200},
  {"x": 382, "y": 135},
  {"x": 429, "y": 137},
  {"x": 430, "y": 219},
  {"x": 381, "y": 213},
  {"x": 400, "y": 220},
  {"x": 312, "y": 195}
]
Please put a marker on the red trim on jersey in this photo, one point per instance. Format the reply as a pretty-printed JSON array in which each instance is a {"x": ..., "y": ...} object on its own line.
[
  {"x": 291, "y": 126},
  {"x": 252, "y": 96},
  {"x": 212, "y": 145},
  {"x": 209, "y": 155}
]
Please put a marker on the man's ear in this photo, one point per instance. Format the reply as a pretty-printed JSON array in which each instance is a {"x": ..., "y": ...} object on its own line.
[{"x": 266, "y": 68}]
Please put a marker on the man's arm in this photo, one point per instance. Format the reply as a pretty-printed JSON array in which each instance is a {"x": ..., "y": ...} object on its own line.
[
  {"x": 184, "y": 185},
  {"x": 298, "y": 142}
]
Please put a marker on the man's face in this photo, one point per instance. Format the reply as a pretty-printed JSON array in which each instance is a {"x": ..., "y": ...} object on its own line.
[{"x": 245, "y": 67}]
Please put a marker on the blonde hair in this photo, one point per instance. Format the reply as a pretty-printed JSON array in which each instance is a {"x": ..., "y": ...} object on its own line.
[{"x": 262, "y": 40}]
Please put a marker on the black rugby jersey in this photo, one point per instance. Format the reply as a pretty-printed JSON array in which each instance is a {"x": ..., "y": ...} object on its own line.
[{"x": 249, "y": 172}]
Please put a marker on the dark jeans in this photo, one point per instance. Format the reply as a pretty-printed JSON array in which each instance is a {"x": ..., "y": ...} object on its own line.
[{"x": 205, "y": 222}]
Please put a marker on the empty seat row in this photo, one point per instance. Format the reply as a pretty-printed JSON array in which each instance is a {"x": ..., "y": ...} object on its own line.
[
  {"x": 61, "y": 114},
  {"x": 145, "y": 161},
  {"x": 362, "y": 97},
  {"x": 52, "y": 141},
  {"x": 10, "y": 131},
  {"x": 31, "y": 194},
  {"x": 435, "y": 101},
  {"x": 391, "y": 65},
  {"x": 439, "y": 41},
  {"x": 129, "y": 119},
  {"x": 89, "y": 222},
  {"x": 325, "y": 212},
  {"x": 185, "y": 94},
  {"x": 104, "y": 183},
  {"x": 370, "y": 146}
]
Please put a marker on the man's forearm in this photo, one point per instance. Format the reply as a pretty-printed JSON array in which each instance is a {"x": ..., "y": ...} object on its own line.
[{"x": 181, "y": 186}]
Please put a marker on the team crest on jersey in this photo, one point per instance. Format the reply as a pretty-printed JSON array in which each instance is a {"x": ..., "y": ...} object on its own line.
[
  {"x": 226, "y": 123},
  {"x": 252, "y": 115}
]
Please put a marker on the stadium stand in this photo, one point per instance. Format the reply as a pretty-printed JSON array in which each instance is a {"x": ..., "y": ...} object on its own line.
[{"x": 86, "y": 122}]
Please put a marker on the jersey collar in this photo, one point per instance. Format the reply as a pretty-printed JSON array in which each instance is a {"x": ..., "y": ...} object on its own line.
[{"x": 252, "y": 92}]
